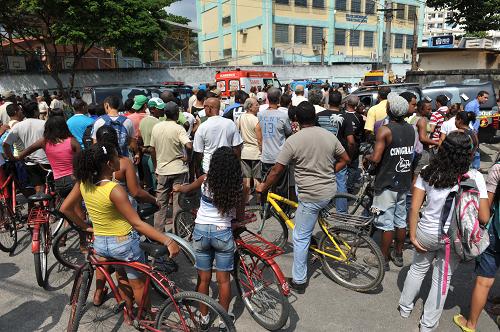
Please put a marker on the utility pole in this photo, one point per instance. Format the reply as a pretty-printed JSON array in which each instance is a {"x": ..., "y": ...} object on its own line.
[
  {"x": 414, "y": 65},
  {"x": 386, "y": 49},
  {"x": 323, "y": 44}
]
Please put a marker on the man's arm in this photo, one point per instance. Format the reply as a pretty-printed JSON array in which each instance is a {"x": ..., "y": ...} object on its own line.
[
  {"x": 381, "y": 140},
  {"x": 189, "y": 152},
  {"x": 258, "y": 133},
  {"x": 351, "y": 145},
  {"x": 342, "y": 161},
  {"x": 271, "y": 178},
  {"x": 197, "y": 157},
  {"x": 152, "y": 152},
  {"x": 422, "y": 132}
]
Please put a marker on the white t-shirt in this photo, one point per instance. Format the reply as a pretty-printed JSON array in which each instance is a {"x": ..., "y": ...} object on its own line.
[
  {"x": 128, "y": 124},
  {"x": 56, "y": 103},
  {"x": 448, "y": 126},
  {"x": 28, "y": 132},
  {"x": 430, "y": 221},
  {"x": 298, "y": 99},
  {"x": 215, "y": 132},
  {"x": 318, "y": 109},
  {"x": 190, "y": 119},
  {"x": 208, "y": 214},
  {"x": 4, "y": 117}
]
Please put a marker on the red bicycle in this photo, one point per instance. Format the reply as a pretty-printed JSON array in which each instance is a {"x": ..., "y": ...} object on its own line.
[{"x": 10, "y": 214}]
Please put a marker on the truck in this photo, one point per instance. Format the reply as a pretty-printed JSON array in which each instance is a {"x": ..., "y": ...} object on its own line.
[{"x": 238, "y": 79}]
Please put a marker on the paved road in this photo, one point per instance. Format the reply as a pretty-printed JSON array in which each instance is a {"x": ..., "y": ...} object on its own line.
[{"x": 324, "y": 307}]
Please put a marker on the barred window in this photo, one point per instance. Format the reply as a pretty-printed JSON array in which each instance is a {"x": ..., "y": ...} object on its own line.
[
  {"x": 409, "y": 41},
  {"x": 356, "y": 6},
  {"x": 300, "y": 3},
  {"x": 412, "y": 11},
  {"x": 339, "y": 37},
  {"x": 398, "y": 40},
  {"x": 282, "y": 2},
  {"x": 318, "y": 3},
  {"x": 300, "y": 36},
  {"x": 400, "y": 13},
  {"x": 227, "y": 52},
  {"x": 370, "y": 7},
  {"x": 226, "y": 20},
  {"x": 354, "y": 37},
  {"x": 281, "y": 33},
  {"x": 317, "y": 35},
  {"x": 341, "y": 5},
  {"x": 368, "y": 39}
]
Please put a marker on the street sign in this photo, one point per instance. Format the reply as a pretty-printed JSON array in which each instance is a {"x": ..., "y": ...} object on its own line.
[
  {"x": 441, "y": 41},
  {"x": 356, "y": 18}
]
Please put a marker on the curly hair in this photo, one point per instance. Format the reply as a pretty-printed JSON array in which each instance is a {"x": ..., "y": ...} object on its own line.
[
  {"x": 88, "y": 164},
  {"x": 451, "y": 161},
  {"x": 225, "y": 180}
]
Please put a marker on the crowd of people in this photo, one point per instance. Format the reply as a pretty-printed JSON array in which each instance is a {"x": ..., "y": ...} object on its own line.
[{"x": 151, "y": 149}]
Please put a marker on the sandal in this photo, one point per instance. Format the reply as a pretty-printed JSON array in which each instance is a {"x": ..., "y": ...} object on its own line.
[
  {"x": 104, "y": 292},
  {"x": 456, "y": 320}
]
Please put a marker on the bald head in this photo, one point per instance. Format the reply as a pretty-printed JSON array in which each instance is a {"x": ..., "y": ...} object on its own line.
[
  {"x": 167, "y": 96},
  {"x": 212, "y": 106}
]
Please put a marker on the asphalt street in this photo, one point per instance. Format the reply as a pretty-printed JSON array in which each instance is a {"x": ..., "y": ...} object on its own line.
[{"x": 325, "y": 306}]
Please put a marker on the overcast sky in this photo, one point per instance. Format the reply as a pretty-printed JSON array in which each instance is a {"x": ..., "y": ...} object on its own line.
[{"x": 185, "y": 8}]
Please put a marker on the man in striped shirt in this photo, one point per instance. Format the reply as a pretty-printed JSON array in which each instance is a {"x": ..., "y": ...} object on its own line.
[{"x": 438, "y": 117}]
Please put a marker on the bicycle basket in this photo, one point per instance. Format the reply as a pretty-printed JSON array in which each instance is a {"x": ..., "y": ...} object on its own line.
[
  {"x": 345, "y": 219},
  {"x": 189, "y": 201}
]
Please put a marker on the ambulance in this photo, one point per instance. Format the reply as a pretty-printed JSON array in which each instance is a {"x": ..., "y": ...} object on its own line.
[{"x": 238, "y": 79}]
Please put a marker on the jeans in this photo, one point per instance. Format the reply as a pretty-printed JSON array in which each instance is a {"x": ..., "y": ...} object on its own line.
[
  {"x": 305, "y": 219},
  {"x": 353, "y": 175},
  {"x": 435, "y": 254},
  {"x": 211, "y": 242},
  {"x": 341, "y": 179},
  {"x": 165, "y": 186},
  {"x": 476, "y": 161}
]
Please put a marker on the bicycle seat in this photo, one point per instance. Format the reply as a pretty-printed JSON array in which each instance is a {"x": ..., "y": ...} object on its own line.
[
  {"x": 153, "y": 249},
  {"x": 40, "y": 197},
  {"x": 146, "y": 210}
]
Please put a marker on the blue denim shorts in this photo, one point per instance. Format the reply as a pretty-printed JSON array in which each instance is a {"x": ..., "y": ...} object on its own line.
[
  {"x": 488, "y": 262},
  {"x": 390, "y": 207},
  {"x": 209, "y": 242},
  {"x": 124, "y": 248}
]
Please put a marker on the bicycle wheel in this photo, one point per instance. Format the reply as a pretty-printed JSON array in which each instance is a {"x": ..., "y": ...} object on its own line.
[
  {"x": 353, "y": 272},
  {"x": 184, "y": 224},
  {"x": 40, "y": 257},
  {"x": 67, "y": 248},
  {"x": 183, "y": 314},
  {"x": 79, "y": 294},
  {"x": 260, "y": 290},
  {"x": 268, "y": 225},
  {"x": 356, "y": 205},
  {"x": 8, "y": 229}
]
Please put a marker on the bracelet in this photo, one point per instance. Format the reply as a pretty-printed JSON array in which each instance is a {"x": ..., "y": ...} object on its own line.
[{"x": 166, "y": 243}]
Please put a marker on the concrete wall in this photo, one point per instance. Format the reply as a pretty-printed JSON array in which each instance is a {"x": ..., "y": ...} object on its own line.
[
  {"x": 23, "y": 82},
  {"x": 454, "y": 76}
]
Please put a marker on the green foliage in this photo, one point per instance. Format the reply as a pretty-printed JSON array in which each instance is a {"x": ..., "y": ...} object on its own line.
[
  {"x": 478, "y": 34},
  {"x": 473, "y": 15}
]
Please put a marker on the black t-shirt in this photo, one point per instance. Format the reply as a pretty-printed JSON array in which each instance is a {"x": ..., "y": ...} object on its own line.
[
  {"x": 354, "y": 126},
  {"x": 337, "y": 123}
]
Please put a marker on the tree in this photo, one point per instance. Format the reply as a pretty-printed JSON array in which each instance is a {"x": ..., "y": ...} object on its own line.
[
  {"x": 473, "y": 15},
  {"x": 132, "y": 26}
]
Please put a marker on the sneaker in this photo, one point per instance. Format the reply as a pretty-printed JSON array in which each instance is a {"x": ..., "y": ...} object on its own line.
[
  {"x": 396, "y": 258},
  {"x": 373, "y": 261},
  {"x": 403, "y": 314},
  {"x": 222, "y": 326},
  {"x": 204, "y": 321},
  {"x": 297, "y": 288}
]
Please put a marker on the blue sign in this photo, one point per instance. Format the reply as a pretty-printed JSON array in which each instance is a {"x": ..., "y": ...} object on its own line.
[
  {"x": 356, "y": 18},
  {"x": 441, "y": 41}
]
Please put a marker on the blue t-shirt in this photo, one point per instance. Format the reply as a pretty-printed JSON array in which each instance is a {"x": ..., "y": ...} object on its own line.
[
  {"x": 77, "y": 125},
  {"x": 473, "y": 107}
]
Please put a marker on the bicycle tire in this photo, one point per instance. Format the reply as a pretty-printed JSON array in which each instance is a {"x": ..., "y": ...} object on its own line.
[
  {"x": 356, "y": 205},
  {"x": 184, "y": 224},
  {"x": 188, "y": 304},
  {"x": 365, "y": 245},
  {"x": 8, "y": 230},
  {"x": 274, "y": 231},
  {"x": 257, "y": 311},
  {"x": 68, "y": 255},
  {"x": 40, "y": 258},
  {"x": 78, "y": 300}
]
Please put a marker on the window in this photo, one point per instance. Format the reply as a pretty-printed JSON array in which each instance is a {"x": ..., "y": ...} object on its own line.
[
  {"x": 356, "y": 6},
  {"x": 398, "y": 40},
  {"x": 449, "y": 15},
  {"x": 341, "y": 5},
  {"x": 300, "y": 36},
  {"x": 370, "y": 7},
  {"x": 339, "y": 37},
  {"x": 354, "y": 37},
  {"x": 281, "y": 33},
  {"x": 439, "y": 25},
  {"x": 368, "y": 41},
  {"x": 317, "y": 35},
  {"x": 318, "y": 3},
  {"x": 282, "y": 2},
  {"x": 226, "y": 20},
  {"x": 412, "y": 10},
  {"x": 300, "y": 3},
  {"x": 400, "y": 13},
  {"x": 430, "y": 16},
  {"x": 409, "y": 42},
  {"x": 227, "y": 52},
  {"x": 440, "y": 15}
]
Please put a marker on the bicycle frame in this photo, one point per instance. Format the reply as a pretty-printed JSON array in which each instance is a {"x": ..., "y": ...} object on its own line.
[
  {"x": 5, "y": 198},
  {"x": 273, "y": 198}
]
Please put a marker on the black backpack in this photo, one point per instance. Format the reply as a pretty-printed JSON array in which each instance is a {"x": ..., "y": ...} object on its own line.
[{"x": 87, "y": 140}]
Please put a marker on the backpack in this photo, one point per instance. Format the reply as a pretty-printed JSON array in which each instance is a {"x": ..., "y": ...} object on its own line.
[
  {"x": 87, "y": 140},
  {"x": 121, "y": 132}
]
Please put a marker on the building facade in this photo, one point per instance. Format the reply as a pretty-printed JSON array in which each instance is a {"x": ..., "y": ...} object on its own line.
[{"x": 246, "y": 32}]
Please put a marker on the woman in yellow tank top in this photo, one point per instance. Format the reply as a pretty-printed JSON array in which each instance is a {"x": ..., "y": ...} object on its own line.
[{"x": 115, "y": 222}]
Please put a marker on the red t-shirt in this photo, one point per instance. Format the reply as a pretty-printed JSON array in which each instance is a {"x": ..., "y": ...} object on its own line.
[{"x": 136, "y": 120}]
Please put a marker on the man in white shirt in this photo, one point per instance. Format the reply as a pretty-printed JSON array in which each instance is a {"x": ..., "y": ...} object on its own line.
[
  {"x": 299, "y": 95},
  {"x": 215, "y": 132},
  {"x": 9, "y": 98}
]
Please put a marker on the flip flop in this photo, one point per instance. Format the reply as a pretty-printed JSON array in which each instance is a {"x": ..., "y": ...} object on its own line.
[
  {"x": 103, "y": 296},
  {"x": 456, "y": 320}
]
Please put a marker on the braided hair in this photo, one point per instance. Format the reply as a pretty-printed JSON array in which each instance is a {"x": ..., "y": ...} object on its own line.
[
  {"x": 107, "y": 134},
  {"x": 225, "y": 180},
  {"x": 88, "y": 164}
]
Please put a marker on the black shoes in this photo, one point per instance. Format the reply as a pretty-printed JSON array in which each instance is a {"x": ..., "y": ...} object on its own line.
[
  {"x": 297, "y": 288},
  {"x": 396, "y": 258}
]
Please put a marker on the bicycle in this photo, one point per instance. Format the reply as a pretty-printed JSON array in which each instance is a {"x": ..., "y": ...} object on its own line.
[
  {"x": 10, "y": 214},
  {"x": 180, "y": 311},
  {"x": 342, "y": 248},
  {"x": 184, "y": 219}
]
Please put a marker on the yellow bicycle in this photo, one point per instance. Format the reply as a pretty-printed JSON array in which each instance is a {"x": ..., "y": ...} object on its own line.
[{"x": 347, "y": 253}]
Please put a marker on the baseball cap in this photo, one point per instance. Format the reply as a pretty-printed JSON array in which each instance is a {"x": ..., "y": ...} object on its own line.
[
  {"x": 398, "y": 106},
  {"x": 139, "y": 101},
  {"x": 261, "y": 96},
  {"x": 156, "y": 103}
]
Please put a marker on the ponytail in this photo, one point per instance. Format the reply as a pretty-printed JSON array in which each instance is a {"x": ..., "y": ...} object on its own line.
[{"x": 88, "y": 164}]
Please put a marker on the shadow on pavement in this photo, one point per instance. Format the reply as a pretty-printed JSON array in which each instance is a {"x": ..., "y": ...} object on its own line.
[
  {"x": 22, "y": 243},
  {"x": 31, "y": 315},
  {"x": 59, "y": 277},
  {"x": 8, "y": 270}
]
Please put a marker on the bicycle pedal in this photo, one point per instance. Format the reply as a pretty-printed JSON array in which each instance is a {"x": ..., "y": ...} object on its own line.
[{"x": 119, "y": 307}]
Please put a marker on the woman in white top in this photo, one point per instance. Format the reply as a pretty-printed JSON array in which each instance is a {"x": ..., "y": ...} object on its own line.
[{"x": 436, "y": 181}]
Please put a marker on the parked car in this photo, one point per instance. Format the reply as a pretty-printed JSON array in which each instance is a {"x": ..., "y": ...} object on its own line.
[{"x": 368, "y": 94}]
